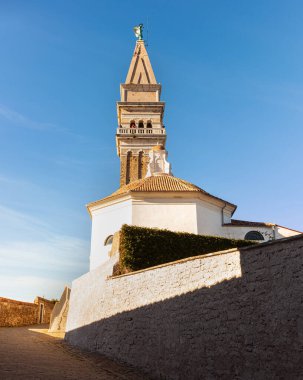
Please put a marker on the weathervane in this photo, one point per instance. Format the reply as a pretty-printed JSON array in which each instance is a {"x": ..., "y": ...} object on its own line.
[{"x": 139, "y": 31}]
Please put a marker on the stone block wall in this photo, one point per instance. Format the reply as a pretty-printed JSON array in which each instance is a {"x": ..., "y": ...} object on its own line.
[
  {"x": 133, "y": 167},
  {"x": 123, "y": 163},
  {"x": 145, "y": 161},
  {"x": 18, "y": 313},
  {"x": 236, "y": 314}
]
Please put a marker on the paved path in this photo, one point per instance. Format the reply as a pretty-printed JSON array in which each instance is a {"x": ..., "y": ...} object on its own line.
[{"x": 29, "y": 353}]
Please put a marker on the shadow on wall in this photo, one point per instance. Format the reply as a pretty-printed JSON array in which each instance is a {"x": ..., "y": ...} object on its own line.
[{"x": 245, "y": 328}]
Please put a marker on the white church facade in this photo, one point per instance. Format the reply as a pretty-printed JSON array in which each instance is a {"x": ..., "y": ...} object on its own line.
[{"x": 149, "y": 194}]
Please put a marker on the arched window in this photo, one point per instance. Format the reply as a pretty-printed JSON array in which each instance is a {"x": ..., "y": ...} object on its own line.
[
  {"x": 253, "y": 235},
  {"x": 141, "y": 124},
  {"x": 109, "y": 240},
  {"x": 140, "y": 164},
  {"x": 149, "y": 124},
  {"x": 132, "y": 124}
]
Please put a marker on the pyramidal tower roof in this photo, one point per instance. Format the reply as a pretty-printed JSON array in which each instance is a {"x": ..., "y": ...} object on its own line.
[{"x": 140, "y": 69}]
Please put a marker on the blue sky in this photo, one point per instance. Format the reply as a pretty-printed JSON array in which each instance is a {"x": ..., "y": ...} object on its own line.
[{"x": 232, "y": 77}]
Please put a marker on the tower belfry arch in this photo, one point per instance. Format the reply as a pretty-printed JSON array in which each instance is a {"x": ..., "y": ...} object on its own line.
[{"x": 140, "y": 117}]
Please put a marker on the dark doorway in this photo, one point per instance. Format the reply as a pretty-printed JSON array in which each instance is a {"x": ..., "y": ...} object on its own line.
[{"x": 41, "y": 313}]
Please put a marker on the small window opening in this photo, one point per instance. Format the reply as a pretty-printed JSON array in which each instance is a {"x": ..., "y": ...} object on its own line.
[
  {"x": 149, "y": 124},
  {"x": 254, "y": 235},
  {"x": 141, "y": 124},
  {"x": 109, "y": 240},
  {"x": 133, "y": 124}
]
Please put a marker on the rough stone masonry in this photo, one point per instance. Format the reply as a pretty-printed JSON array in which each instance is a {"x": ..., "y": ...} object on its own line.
[
  {"x": 18, "y": 313},
  {"x": 236, "y": 314}
]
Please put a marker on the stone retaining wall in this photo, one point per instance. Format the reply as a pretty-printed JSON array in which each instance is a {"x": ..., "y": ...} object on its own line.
[
  {"x": 18, "y": 313},
  {"x": 228, "y": 315}
]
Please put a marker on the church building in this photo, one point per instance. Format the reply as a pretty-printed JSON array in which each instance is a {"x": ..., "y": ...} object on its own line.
[{"x": 149, "y": 194}]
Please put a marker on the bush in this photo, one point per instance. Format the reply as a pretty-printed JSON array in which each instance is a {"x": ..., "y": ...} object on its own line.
[{"x": 142, "y": 247}]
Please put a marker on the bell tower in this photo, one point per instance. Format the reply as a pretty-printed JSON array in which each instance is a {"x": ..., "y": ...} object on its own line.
[{"x": 140, "y": 117}]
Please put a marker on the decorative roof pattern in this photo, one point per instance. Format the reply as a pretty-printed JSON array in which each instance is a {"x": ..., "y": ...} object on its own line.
[{"x": 160, "y": 183}]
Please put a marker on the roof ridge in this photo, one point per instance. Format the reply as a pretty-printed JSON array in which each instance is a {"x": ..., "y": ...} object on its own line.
[{"x": 164, "y": 181}]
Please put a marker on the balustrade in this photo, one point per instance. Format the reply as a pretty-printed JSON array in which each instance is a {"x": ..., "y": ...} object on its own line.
[{"x": 141, "y": 131}]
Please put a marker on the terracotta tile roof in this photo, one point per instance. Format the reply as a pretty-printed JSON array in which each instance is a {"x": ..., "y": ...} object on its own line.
[
  {"x": 237, "y": 223},
  {"x": 160, "y": 184}
]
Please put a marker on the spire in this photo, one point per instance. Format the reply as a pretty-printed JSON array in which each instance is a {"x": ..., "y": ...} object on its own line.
[
  {"x": 140, "y": 69},
  {"x": 140, "y": 117}
]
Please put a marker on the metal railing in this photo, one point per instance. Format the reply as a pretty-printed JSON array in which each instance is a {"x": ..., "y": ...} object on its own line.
[{"x": 141, "y": 131}]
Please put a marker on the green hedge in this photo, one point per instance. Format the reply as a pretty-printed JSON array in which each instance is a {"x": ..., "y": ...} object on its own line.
[{"x": 142, "y": 247}]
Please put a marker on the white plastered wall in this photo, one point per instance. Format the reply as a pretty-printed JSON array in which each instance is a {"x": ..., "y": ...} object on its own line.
[
  {"x": 209, "y": 219},
  {"x": 106, "y": 221},
  {"x": 175, "y": 214},
  {"x": 239, "y": 232},
  {"x": 282, "y": 232}
]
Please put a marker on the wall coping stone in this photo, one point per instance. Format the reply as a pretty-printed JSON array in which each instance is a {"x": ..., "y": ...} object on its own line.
[{"x": 204, "y": 256}]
